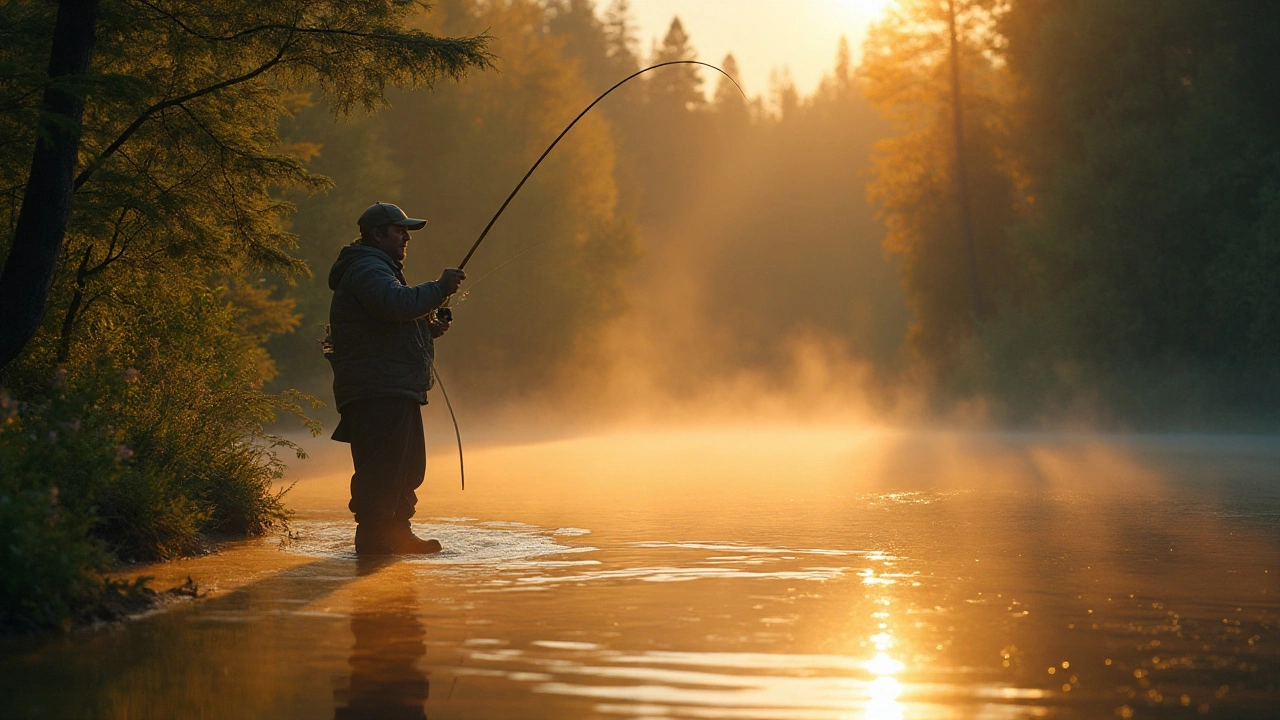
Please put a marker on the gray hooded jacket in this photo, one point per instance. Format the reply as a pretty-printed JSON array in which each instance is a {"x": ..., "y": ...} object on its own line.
[{"x": 379, "y": 344}]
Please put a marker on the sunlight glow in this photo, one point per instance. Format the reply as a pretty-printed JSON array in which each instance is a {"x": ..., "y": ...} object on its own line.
[
  {"x": 882, "y": 664},
  {"x": 883, "y": 641},
  {"x": 883, "y": 703},
  {"x": 867, "y": 7}
]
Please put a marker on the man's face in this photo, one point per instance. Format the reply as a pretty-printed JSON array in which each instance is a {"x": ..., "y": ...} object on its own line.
[{"x": 392, "y": 240}]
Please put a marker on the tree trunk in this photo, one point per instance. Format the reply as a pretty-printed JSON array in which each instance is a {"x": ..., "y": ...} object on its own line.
[
  {"x": 962, "y": 172},
  {"x": 46, "y": 205}
]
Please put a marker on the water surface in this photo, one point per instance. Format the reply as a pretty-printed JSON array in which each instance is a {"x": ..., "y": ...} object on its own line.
[{"x": 806, "y": 574}]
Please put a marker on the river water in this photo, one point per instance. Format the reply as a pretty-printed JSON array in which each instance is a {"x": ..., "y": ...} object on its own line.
[{"x": 815, "y": 573}]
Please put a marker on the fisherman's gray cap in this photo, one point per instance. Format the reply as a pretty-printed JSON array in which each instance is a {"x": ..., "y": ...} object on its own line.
[{"x": 380, "y": 214}]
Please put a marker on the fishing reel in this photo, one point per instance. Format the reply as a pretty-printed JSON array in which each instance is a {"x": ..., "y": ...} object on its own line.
[{"x": 439, "y": 317}]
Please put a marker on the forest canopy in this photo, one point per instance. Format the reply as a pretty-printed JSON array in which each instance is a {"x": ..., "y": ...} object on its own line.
[{"x": 1121, "y": 166}]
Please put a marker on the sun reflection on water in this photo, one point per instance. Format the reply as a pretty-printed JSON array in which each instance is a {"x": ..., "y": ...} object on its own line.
[
  {"x": 882, "y": 700},
  {"x": 883, "y": 666}
]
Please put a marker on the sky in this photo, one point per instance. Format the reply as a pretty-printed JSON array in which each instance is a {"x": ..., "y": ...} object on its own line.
[{"x": 763, "y": 35}]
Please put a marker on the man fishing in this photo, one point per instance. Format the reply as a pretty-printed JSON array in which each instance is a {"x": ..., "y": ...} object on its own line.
[{"x": 381, "y": 347}]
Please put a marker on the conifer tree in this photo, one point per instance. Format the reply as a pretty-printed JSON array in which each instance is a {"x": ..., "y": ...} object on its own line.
[
  {"x": 782, "y": 92},
  {"x": 586, "y": 40},
  {"x": 623, "y": 46},
  {"x": 842, "y": 75},
  {"x": 729, "y": 102},
  {"x": 676, "y": 89}
]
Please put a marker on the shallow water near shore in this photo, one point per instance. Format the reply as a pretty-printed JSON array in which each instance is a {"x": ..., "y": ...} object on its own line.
[{"x": 792, "y": 573}]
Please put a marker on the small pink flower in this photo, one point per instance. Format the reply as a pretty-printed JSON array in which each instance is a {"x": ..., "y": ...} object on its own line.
[
  {"x": 131, "y": 375},
  {"x": 123, "y": 453}
]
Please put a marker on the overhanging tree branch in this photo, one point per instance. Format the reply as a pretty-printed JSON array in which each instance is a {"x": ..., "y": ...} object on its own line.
[
  {"x": 351, "y": 48},
  {"x": 164, "y": 104}
]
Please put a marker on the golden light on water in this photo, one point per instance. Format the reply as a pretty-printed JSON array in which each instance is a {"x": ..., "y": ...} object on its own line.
[
  {"x": 882, "y": 700},
  {"x": 883, "y": 703},
  {"x": 883, "y": 665}
]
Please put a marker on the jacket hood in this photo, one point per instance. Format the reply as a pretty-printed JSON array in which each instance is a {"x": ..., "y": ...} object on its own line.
[{"x": 350, "y": 255}]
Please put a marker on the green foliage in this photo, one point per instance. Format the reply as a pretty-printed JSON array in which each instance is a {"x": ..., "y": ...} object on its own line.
[
  {"x": 195, "y": 420},
  {"x": 1155, "y": 185},
  {"x": 906, "y": 73},
  {"x": 54, "y": 460},
  {"x": 1139, "y": 154}
]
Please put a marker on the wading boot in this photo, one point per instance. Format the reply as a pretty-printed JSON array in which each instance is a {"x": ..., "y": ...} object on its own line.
[
  {"x": 371, "y": 539},
  {"x": 402, "y": 541}
]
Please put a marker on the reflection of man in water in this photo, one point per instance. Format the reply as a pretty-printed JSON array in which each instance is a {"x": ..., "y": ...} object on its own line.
[
  {"x": 381, "y": 346},
  {"x": 390, "y": 641}
]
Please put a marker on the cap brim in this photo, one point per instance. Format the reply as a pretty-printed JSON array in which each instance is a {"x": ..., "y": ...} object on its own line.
[{"x": 411, "y": 223}]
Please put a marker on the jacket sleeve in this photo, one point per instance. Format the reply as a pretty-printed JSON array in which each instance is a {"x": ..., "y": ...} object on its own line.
[{"x": 378, "y": 291}]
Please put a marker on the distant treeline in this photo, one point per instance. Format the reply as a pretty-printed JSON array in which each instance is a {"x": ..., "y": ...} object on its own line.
[{"x": 1120, "y": 191}]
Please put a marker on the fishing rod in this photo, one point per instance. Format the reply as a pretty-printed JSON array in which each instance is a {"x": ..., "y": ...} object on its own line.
[
  {"x": 545, "y": 153},
  {"x": 444, "y": 313}
]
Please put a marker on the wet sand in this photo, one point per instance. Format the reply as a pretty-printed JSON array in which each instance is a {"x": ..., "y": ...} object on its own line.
[{"x": 834, "y": 572}]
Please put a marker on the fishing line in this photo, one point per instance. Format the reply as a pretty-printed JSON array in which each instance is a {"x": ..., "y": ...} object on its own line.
[
  {"x": 454, "y": 301},
  {"x": 444, "y": 313},
  {"x": 462, "y": 468}
]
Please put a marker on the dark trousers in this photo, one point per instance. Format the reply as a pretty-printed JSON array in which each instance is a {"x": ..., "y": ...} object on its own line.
[{"x": 390, "y": 457}]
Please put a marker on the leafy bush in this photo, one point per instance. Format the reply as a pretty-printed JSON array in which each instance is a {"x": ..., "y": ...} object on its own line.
[
  {"x": 54, "y": 462},
  {"x": 138, "y": 458}
]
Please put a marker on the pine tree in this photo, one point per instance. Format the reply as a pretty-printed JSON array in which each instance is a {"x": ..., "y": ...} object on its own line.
[
  {"x": 586, "y": 40},
  {"x": 620, "y": 32},
  {"x": 729, "y": 102},
  {"x": 842, "y": 76},
  {"x": 782, "y": 93},
  {"x": 679, "y": 88}
]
